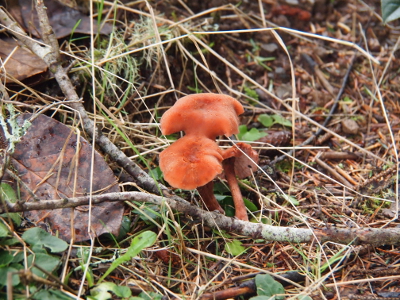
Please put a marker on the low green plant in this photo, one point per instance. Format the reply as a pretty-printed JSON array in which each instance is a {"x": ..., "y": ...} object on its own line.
[
  {"x": 268, "y": 288},
  {"x": 250, "y": 135},
  {"x": 223, "y": 195},
  {"x": 390, "y": 10},
  {"x": 8, "y": 194},
  {"x": 42, "y": 247},
  {"x": 234, "y": 247},
  {"x": 270, "y": 120},
  {"x": 267, "y": 121},
  {"x": 103, "y": 290},
  {"x": 107, "y": 290},
  {"x": 251, "y": 93}
]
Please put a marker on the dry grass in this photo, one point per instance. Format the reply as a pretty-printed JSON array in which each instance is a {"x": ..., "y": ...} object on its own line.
[{"x": 153, "y": 59}]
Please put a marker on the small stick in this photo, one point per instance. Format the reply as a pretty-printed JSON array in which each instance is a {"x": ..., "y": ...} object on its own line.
[
  {"x": 339, "y": 155},
  {"x": 334, "y": 173}
]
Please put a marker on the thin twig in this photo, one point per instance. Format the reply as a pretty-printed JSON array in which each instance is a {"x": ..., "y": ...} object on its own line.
[{"x": 373, "y": 236}]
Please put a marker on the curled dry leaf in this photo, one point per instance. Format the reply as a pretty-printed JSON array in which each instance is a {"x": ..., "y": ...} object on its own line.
[
  {"x": 55, "y": 164},
  {"x": 246, "y": 160},
  {"x": 246, "y": 163}
]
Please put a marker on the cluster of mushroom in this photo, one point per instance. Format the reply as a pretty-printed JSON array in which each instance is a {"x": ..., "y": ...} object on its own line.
[{"x": 195, "y": 160}]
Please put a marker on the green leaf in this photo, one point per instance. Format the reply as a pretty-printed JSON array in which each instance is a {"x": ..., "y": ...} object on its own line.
[
  {"x": 268, "y": 286},
  {"x": 242, "y": 131},
  {"x": 278, "y": 119},
  {"x": 227, "y": 204},
  {"x": 266, "y": 120},
  {"x": 15, "y": 217},
  {"x": 147, "y": 212},
  {"x": 143, "y": 240},
  {"x": 292, "y": 200},
  {"x": 156, "y": 173},
  {"x": 9, "y": 241},
  {"x": 101, "y": 291},
  {"x": 252, "y": 135},
  {"x": 50, "y": 295},
  {"x": 38, "y": 237},
  {"x": 45, "y": 261},
  {"x": 260, "y": 298},
  {"x": 250, "y": 205},
  {"x": 390, "y": 10},
  {"x": 3, "y": 276},
  {"x": 220, "y": 188},
  {"x": 5, "y": 258},
  {"x": 3, "y": 230},
  {"x": 122, "y": 291},
  {"x": 234, "y": 247},
  {"x": 8, "y": 193},
  {"x": 150, "y": 296}
]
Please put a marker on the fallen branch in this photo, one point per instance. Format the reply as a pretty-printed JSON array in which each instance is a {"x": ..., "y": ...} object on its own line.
[{"x": 354, "y": 236}]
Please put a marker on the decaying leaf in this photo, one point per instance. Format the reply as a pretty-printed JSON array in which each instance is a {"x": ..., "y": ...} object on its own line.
[
  {"x": 246, "y": 163},
  {"x": 19, "y": 63},
  {"x": 63, "y": 19},
  {"x": 55, "y": 164}
]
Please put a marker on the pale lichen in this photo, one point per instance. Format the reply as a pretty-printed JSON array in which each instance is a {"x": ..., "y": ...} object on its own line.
[{"x": 17, "y": 131}]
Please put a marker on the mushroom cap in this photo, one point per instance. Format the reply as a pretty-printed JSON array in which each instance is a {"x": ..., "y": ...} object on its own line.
[
  {"x": 205, "y": 114},
  {"x": 191, "y": 162}
]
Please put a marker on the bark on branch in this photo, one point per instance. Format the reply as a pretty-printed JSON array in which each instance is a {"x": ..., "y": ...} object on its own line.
[{"x": 354, "y": 236}]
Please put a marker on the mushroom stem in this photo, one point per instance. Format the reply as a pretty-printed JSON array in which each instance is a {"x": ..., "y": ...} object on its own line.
[
  {"x": 207, "y": 195},
  {"x": 240, "y": 208}
]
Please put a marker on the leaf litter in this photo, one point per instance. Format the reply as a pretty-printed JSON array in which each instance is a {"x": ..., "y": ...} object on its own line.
[
  {"x": 229, "y": 60},
  {"x": 55, "y": 163}
]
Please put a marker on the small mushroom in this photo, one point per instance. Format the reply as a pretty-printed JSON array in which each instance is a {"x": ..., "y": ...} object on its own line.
[
  {"x": 239, "y": 160},
  {"x": 195, "y": 160},
  {"x": 191, "y": 161},
  {"x": 208, "y": 115}
]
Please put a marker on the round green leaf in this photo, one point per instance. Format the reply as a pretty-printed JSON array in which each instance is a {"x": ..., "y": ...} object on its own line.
[
  {"x": 268, "y": 286},
  {"x": 390, "y": 10},
  {"x": 38, "y": 237},
  {"x": 266, "y": 120},
  {"x": 234, "y": 247}
]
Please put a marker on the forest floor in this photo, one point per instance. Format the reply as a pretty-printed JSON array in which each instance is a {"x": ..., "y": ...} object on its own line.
[{"x": 320, "y": 87}]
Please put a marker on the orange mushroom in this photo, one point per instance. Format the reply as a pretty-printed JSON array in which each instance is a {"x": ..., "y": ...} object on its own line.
[
  {"x": 207, "y": 115},
  {"x": 191, "y": 161},
  {"x": 239, "y": 160},
  {"x": 195, "y": 160}
]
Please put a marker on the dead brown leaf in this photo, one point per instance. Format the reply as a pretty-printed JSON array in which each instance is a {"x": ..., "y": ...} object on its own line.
[
  {"x": 20, "y": 63},
  {"x": 62, "y": 18},
  {"x": 48, "y": 159}
]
